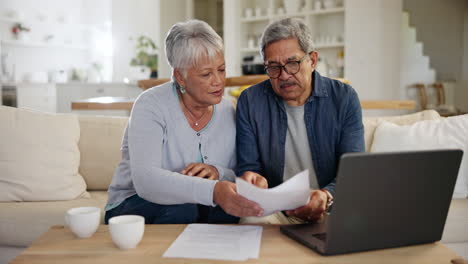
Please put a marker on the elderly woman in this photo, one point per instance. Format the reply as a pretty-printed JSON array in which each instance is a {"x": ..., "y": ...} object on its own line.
[{"x": 178, "y": 151}]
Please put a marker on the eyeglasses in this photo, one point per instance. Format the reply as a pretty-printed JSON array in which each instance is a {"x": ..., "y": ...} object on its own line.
[{"x": 291, "y": 67}]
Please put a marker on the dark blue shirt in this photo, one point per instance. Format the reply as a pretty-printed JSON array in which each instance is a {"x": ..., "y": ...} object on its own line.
[{"x": 333, "y": 120}]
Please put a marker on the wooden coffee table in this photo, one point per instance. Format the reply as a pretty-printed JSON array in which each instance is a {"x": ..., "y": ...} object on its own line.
[{"x": 59, "y": 245}]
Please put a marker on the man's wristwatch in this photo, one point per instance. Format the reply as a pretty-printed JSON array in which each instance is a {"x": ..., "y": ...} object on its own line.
[{"x": 329, "y": 199}]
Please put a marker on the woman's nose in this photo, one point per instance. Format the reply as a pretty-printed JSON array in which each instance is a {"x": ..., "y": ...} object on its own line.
[{"x": 219, "y": 78}]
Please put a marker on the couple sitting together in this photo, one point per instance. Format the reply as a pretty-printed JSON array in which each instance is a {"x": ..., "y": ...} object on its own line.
[{"x": 185, "y": 145}]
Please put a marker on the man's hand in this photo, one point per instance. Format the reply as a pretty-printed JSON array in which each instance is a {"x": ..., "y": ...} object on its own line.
[
  {"x": 226, "y": 196},
  {"x": 201, "y": 170},
  {"x": 314, "y": 210},
  {"x": 255, "y": 179}
]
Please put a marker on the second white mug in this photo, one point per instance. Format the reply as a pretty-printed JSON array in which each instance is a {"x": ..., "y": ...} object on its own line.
[{"x": 127, "y": 230}]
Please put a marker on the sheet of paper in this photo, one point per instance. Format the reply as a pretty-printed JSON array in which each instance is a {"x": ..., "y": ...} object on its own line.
[
  {"x": 291, "y": 194},
  {"x": 221, "y": 242}
]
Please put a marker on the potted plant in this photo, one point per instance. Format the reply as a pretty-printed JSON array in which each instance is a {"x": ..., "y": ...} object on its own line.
[
  {"x": 146, "y": 55},
  {"x": 19, "y": 31}
]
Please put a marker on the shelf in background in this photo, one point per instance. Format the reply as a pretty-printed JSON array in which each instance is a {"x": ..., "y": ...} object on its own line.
[
  {"x": 37, "y": 44},
  {"x": 29, "y": 22},
  {"x": 321, "y": 46},
  {"x": 331, "y": 45},
  {"x": 255, "y": 19},
  {"x": 296, "y": 14},
  {"x": 249, "y": 50},
  {"x": 327, "y": 11}
]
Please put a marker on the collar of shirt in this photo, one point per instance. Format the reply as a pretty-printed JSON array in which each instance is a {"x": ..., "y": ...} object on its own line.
[{"x": 319, "y": 89}]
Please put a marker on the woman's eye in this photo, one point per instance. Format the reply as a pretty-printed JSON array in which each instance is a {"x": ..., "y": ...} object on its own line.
[{"x": 206, "y": 74}]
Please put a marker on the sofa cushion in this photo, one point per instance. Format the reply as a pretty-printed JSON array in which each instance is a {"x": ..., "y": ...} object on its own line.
[
  {"x": 23, "y": 222},
  {"x": 39, "y": 156},
  {"x": 457, "y": 221},
  {"x": 7, "y": 254},
  {"x": 100, "y": 141},
  {"x": 447, "y": 133},
  {"x": 371, "y": 123}
]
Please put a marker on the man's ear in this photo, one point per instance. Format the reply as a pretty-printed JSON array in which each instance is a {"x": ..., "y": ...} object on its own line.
[
  {"x": 179, "y": 77},
  {"x": 313, "y": 58}
]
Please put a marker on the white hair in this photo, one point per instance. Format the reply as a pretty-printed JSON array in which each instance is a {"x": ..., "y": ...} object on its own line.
[
  {"x": 189, "y": 42},
  {"x": 287, "y": 28}
]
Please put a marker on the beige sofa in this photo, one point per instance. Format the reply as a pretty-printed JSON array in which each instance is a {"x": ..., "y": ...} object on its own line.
[{"x": 99, "y": 145}]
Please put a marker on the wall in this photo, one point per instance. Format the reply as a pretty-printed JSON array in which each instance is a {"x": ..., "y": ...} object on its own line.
[
  {"x": 27, "y": 59},
  {"x": 461, "y": 100},
  {"x": 372, "y": 48},
  {"x": 439, "y": 26},
  {"x": 99, "y": 13},
  {"x": 131, "y": 19},
  {"x": 232, "y": 14},
  {"x": 174, "y": 11},
  {"x": 210, "y": 11}
]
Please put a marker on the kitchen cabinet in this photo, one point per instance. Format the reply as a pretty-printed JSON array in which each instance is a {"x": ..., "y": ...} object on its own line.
[
  {"x": 70, "y": 92},
  {"x": 41, "y": 97},
  {"x": 57, "y": 98}
]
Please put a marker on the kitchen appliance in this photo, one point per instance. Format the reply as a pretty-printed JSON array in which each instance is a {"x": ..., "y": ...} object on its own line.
[
  {"x": 252, "y": 65},
  {"x": 9, "y": 95}
]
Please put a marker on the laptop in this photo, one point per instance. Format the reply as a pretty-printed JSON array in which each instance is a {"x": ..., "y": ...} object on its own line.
[{"x": 384, "y": 200}]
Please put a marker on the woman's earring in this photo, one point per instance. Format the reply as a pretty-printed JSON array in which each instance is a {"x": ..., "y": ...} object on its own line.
[{"x": 182, "y": 90}]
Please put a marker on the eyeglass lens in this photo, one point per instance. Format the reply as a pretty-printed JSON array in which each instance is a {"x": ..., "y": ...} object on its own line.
[{"x": 291, "y": 67}]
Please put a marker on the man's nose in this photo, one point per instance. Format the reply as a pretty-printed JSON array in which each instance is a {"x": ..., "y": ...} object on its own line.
[{"x": 284, "y": 75}]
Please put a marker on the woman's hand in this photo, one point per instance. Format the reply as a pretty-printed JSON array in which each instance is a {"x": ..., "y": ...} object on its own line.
[
  {"x": 201, "y": 170},
  {"x": 255, "y": 179},
  {"x": 225, "y": 195}
]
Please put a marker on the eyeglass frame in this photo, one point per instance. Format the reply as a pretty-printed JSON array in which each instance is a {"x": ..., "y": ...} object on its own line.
[{"x": 283, "y": 67}]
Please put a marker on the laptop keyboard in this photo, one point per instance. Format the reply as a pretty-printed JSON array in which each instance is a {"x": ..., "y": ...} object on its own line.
[{"x": 321, "y": 236}]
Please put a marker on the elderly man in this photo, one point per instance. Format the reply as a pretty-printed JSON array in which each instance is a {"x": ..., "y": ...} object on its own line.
[{"x": 296, "y": 120}]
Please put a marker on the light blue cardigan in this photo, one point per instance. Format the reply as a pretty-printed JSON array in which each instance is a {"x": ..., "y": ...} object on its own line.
[{"x": 158, "y": 143}]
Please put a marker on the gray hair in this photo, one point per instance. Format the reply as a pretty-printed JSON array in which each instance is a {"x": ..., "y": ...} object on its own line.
[
  {"x": 287, "y": 28},
  {"x": 188, "y": 42}
]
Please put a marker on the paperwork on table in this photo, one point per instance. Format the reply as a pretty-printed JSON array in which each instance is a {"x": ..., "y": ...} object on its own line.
[
  {"x": 220, "y": 242},
  {"x": 291, "y": 194}
]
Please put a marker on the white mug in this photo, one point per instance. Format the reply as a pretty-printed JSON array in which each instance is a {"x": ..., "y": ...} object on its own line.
[
  {"x": 270, "y": 11},
  {"x": 258, "y": 12},
  {"x": 83, "y": 221},
  {"x": 127, "y": 230},
  {"x": 248, "y": 12},
  {"x": 280, "y": 11}
]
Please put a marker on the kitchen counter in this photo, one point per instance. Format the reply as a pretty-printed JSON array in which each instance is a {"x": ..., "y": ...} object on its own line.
[
  {"x": 58, "y": 97},
  {"x": 104, "y": 103}
]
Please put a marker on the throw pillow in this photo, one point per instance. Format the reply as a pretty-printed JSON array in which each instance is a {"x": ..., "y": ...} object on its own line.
[
  {"x": 39, "y": 156},
  {"x": 371, "y": 123},
  {"x": 446, "y": 133}
]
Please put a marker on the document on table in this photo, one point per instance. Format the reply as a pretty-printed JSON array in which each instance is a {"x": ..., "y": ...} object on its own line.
[
  {"x": 291, "y": 194},
  {"x": 221, "y": 242}
]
